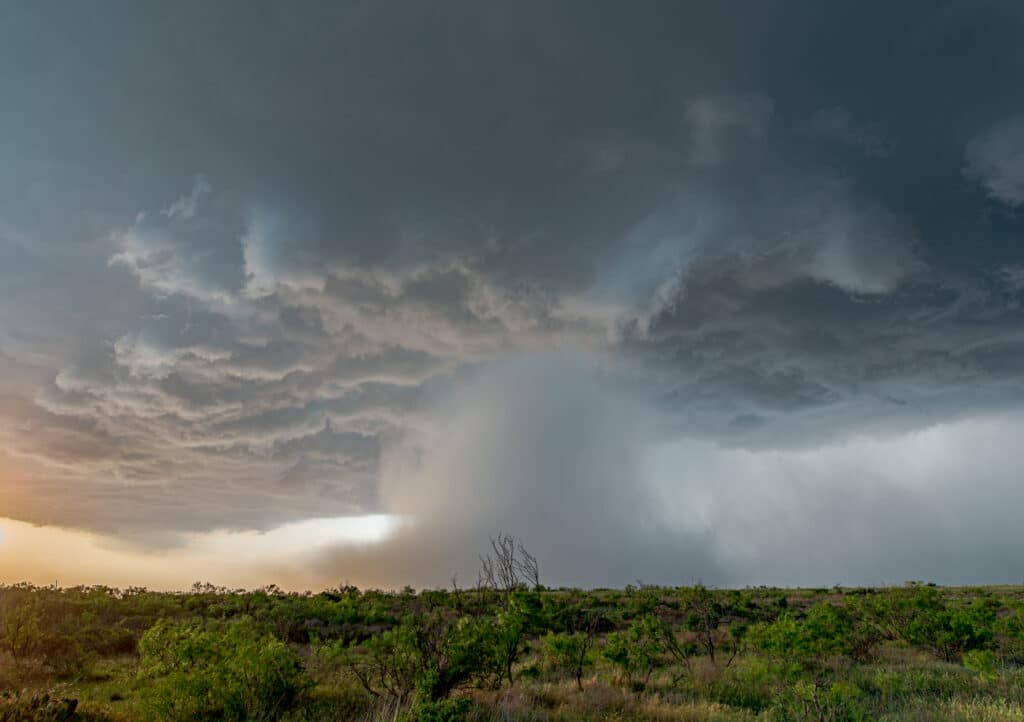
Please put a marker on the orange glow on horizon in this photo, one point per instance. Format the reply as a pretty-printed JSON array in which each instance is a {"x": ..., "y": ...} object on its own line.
[{"x": 46, "y": 555}]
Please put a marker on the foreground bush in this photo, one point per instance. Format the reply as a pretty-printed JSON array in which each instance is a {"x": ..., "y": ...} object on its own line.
[
  {"x": 425, "y": 658},
  {"x": 36, "y": 707},
  {"x": 229, "y": 671}
]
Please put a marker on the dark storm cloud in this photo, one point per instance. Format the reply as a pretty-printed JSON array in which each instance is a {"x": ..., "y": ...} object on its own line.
[
  {"x": 838, "y": 124},
  {"x": 995, "y": 159},
  {"x": 251, "y": 254}
]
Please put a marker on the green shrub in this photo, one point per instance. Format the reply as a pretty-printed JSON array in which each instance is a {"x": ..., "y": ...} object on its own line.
[
  {"x": 20, "y": 626},
  {"x": 1009, "y": 631},
  {"x": 804, "y": 700},
  {"x": 748, "y": 684},
  {"x": 637, "y": 652},
  {"x": 981, "y": 661},
  {"x": 426, "y": 657},
  {"x": 569, "y": 653},
  {"x": 825, "y": 631},
  {"x": 227, "y": 671},
  {"x": 65, "y": 655},
  {"x": 447, "y": 710},
  {"x": 924, "y": 617}
]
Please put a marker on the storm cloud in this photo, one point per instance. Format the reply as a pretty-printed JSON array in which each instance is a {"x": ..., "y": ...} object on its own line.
[{"x": 671, "y": 291}]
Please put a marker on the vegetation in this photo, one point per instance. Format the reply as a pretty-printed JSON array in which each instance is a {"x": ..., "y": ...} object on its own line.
[{"x": 511, "y": 650}]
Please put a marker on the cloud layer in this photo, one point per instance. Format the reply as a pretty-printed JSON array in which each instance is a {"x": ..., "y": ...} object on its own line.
[{"x": 489, "y": 266}]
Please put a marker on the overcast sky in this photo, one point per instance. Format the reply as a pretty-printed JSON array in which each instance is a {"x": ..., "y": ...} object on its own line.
[{"x": 717, "y": 290}]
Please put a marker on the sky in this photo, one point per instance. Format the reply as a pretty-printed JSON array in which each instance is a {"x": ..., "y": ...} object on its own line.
[{"x": 330, "y": 292}]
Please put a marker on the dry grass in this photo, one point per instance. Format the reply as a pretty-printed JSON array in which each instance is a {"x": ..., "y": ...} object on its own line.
[
  {"x": 563, "y": 702},
  {"x": 958, "y": 710}
]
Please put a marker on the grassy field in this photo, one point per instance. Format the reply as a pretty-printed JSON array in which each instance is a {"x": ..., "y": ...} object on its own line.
[{"x": 511, "y": 652}]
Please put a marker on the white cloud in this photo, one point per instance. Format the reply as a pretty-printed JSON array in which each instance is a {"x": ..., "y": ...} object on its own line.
[
  {"x": 146, "y": 359},
  {"x": 187, "y": 206},
  {"x": 274, "y": 254},
  {"x": 165, "y": 265}
]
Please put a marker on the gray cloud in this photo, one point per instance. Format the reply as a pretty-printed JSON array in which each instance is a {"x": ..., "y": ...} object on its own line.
[
  {"x": 181, "y": 255},
  {"x": 510, "y": 454},
  {"x": 995, "y": 159},
  {"x": 838, "y": 124},
  {"x": 187, "y": 206},
  {"x": 717, "y": 123},
  {"x": 261, "y": 264}
]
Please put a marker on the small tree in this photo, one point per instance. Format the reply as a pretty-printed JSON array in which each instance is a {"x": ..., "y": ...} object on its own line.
[
  {"x": 508, "y": 633},
  {"x": 426, "y": 657},
  {"x": 571, "y": 651},
  {"x": 704, "y": 617},
  {"x": 19, "y": 626},
  {"x": 637, "y": 652}
]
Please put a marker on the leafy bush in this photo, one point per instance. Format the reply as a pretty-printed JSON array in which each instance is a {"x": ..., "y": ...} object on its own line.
[
  {"x": 981, "y": 661},
  {"x": 569, "y": 653},
  {"x": 924, "y": 617},
  {"x": 507, "y": 632},
  {"x": 837, "y": 702},
  {"x": 748, "y": 684},
  {"x": 64, "y": 654},
  {"x": 1009, "y": 636},
  {"x": 447, "y": 710},
  {"x": 427, "y": 656},
  {"x": 226, "y": 671},
  {"x": 637, "y": 652},
  {"x": 20, "y": 625},
  {"x": 826, "y": 630}
]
